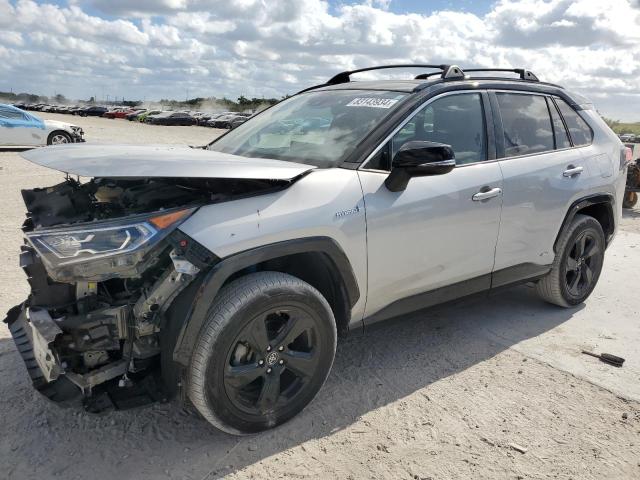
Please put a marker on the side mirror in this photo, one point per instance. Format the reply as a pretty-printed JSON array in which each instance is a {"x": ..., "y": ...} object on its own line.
[{"x": 419, "y": 159}]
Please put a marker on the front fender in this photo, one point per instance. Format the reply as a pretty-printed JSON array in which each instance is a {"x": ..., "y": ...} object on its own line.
[{"x": 217, "y": 276}]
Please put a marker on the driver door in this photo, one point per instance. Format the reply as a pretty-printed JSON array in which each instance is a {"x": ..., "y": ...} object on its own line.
[{"x": 435, "y": 240}]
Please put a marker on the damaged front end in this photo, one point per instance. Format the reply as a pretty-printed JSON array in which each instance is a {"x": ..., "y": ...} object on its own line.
[{"x": 105, "y": 260}]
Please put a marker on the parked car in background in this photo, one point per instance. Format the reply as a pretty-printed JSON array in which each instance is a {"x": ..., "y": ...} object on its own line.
[
  {"x": 172, "y": 118},
  {"x": 93, "y": 111},
  {"x": 201, "y": 117},
  {"x": 149, "y": 113},
  {"x": 61, "y": 109},
  {"x": 223, "y": 121},
  {"x": 118, "y": 113},
  {"x": 20, "y": 128},
  {"x": 240, "y": 119},
  {"x": 135, "y": 114},
  {"x": 213, "y": 117},
  {"x": 75, "y": 110}
]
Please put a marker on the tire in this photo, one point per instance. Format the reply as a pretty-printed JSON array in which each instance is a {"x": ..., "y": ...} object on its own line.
[
  {"x": 577, "y": 266},
  {"x": 58, "y": 138},
  {"x": 629, "y": 200},
  {"x": 239, "y": 384}
]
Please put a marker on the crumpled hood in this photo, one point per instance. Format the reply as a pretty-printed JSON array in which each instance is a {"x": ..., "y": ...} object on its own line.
[
  {"x": 181, "y": 161},
  {"x": 57, "y": 124}
]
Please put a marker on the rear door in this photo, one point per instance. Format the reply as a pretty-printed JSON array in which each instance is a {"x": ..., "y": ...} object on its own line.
[
  {"x": 543, "y": 174},
  {"x": 436, "y": 239}
]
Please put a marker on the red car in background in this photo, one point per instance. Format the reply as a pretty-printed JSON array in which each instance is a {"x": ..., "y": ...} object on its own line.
[{"x": 119, "y": 113}]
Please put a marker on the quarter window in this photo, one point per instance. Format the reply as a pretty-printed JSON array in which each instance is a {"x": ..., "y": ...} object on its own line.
[
  {"x": 526, "y": 124},
  {"x": 580, "y": 132},
  {"x": 455, "y": 120}
]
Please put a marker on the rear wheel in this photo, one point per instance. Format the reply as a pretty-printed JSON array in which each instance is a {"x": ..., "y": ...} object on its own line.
[
  {"x": 265, "y": 351},
  {"x": 578, "y": 263}
]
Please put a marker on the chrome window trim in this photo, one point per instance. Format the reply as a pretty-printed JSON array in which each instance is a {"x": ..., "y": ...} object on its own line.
[{"x": 363, "y": 165}]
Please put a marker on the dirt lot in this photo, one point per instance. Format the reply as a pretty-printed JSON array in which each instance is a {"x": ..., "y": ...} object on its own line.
[{"x": 440, "y": 395}]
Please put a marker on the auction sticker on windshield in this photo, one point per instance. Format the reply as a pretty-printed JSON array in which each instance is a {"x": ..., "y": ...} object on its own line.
[{"x": 372, "y": 102}]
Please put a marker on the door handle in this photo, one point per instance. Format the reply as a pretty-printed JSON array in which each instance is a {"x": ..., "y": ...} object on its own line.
[
  {"x": 486, "y": 194},
  {"x": 571, "y": 171}
]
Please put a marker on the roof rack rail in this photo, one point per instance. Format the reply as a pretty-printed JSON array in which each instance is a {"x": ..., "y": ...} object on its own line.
[
  {"x": 524, "y": 74},
  {"x": 344, "y": 77},
  {"x": 446, "y": 72}
]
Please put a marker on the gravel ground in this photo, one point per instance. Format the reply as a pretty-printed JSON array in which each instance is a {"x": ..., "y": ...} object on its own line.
[{"x": 441, "y": 395}]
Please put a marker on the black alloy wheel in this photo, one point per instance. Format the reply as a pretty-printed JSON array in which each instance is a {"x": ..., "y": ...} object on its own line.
[
  {"x": 263, "y": 354},
  {"x": 271, "y": 360},
  {"x": 577, "y": 265},
  {"x": 582, "y": 261}
]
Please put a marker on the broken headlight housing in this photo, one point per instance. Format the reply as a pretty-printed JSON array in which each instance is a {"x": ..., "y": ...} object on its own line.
[
  {"x": 102, "y": 250},
  {"x": 78, "y": 245}
]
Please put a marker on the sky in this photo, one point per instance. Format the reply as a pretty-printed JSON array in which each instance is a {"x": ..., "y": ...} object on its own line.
[{"x": 153, "y": 49}]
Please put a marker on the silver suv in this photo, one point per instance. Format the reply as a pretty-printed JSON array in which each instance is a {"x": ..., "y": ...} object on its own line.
[{"x": 227, "y": 272}]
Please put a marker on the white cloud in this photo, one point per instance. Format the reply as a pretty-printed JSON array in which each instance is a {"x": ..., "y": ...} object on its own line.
[{"x": 160, "y": 48}]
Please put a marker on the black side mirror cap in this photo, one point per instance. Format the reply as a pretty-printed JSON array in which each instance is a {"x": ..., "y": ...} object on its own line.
[{"x": 419, "y": 159}]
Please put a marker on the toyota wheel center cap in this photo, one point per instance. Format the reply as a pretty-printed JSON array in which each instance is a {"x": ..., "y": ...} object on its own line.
[{"x": 272, "y": 358}]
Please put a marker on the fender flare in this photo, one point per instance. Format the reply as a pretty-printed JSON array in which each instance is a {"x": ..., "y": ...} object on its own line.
[
  {"x": 216, "y": 277},
  {"x": 596, "y": 199}
]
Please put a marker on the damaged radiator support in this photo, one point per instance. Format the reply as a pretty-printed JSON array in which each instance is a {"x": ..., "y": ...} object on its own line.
[
  {"x": 94, "y": 334},
  {"x": 144, "y": 322},
  {"x": 152, "y": 305}
]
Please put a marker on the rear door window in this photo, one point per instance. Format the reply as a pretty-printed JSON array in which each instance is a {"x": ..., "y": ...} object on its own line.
[
  {"x": 580, "y": 132},
  {"x": 526, "y": 124}
]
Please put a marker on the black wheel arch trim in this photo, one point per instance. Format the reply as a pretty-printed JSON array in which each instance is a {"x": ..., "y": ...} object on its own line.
[
  {"x": 606, "y": 199},
  {"x": 217, "y": 275}
]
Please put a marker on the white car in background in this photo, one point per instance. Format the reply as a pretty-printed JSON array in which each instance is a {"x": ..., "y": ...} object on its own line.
[{"x": 23, "y": 129}]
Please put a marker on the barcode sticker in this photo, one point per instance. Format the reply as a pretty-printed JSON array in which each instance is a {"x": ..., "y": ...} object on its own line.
[{"x": 372, "y": 102}]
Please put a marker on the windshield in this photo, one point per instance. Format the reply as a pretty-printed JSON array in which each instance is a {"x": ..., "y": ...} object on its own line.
[{"x": 316, "y": 128}]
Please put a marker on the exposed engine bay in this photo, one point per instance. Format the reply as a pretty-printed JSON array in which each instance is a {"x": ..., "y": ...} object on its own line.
[
  {"x": 103, "y": 198},
  {"x": 105, "y": 261}
]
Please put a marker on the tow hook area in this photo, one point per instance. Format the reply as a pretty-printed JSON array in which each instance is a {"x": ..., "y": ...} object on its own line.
[
  {"x": 43, "y": 332},
  {"x": 22, "y": 331}
]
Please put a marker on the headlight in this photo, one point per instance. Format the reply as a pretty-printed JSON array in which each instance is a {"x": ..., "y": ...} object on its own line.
[
  {"x": 76, "y": 245},
  {"x": 103, "y": 248}
]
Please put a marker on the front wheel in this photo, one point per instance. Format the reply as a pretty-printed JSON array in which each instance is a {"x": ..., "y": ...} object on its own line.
[
  {"x": 58, "y": 138},
  {"x": 263, "y": 354},
  {"x": 578, "y": 263}
]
